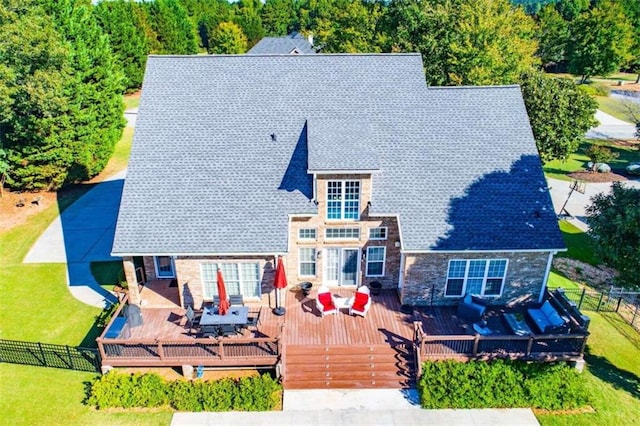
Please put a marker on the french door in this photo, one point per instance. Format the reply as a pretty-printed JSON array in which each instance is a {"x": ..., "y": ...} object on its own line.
[{"x": 341, "y": 266}]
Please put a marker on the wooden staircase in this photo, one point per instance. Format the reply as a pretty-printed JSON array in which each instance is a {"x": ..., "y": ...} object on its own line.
[{"x": 349, "y": 366}]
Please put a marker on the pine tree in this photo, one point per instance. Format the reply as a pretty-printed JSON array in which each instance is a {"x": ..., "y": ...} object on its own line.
[
  {"x": 122, "y": 24},
  {"x": 174, "y": 31}
]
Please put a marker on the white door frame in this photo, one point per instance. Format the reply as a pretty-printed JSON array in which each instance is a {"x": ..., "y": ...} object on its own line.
[{"x": 341, "y": 261}]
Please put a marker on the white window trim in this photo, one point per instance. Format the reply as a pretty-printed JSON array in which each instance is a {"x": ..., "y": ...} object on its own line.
[
  {"x": 484, "y": 278},
  {"x": 300, "y": 237},
  {"x": 343, "y": 187},
  {"x": 240, "y": 281},
  {"x": 386, "y": 233},
  {"x": 173, "y": 268},
  {"x": 341, "y": 238},
  {"x": 384, "y": 260},
  {"x": 315, "y": 261}
]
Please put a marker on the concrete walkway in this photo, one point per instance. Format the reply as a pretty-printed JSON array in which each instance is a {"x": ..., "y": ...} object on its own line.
[
  {"x": 81, "y": 235},
  {"x": 611, "y": 128},
  {"x": 358, "y": 407}
]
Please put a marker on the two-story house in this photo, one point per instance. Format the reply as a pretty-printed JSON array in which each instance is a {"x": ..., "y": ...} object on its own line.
[{"x": 348, "y": 166}]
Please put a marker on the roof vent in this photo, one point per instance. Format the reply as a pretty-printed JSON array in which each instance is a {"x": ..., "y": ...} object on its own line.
[{"x": 274, "y": 138}]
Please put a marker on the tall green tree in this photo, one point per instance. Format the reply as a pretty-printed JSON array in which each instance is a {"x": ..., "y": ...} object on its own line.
[
  {"x": 560, "y": 114},
  {"x": 247, "y": 16},
  {"x": 614, "y": 221},
  {"x": 470, "y": 42},
  {"x": 552, "y": 35},
  {"x": 94, "y": 90},
  {"x": 122, "y": 24},
  {"x": 601, "y": 41},
  {"x": 343, "y": 26},
  {"x": 174, "y": 32},
  {"x": 205, "y": 15},
  {"x": 228, "y": 38},
  {"x": 571, "y": 9},
  {"x": 279, "y": 17}
]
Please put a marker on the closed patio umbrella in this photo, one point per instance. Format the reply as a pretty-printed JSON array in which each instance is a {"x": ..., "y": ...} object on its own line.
[
  {"x": 223, "y": 308},
  {"x": 279, "y": 282}
]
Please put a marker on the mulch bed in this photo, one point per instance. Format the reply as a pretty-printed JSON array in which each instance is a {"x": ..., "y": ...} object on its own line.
[{"x": 597, "y": 177}]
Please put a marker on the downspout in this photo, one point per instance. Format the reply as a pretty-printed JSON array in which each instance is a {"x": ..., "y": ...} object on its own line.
[{"x": 546, "y": 275}]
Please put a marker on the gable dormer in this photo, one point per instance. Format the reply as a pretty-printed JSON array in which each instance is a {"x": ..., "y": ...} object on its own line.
[{"x": 342, "y": 160}]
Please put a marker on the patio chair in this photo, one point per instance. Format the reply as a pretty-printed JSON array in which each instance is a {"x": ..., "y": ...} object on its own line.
[
  {"x": 324, "y": 302},
  {"x": 193, "y": 319},
  {"x": 361, "y": 302},
  {"x": 254, "y": 318}
]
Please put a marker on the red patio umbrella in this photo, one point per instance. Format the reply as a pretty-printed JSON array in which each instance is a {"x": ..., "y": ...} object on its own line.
[
  {"x": 279, "y": 282},
  {"x": 223, "y": 308}
]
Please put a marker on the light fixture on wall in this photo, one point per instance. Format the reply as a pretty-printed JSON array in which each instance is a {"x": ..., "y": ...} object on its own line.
[{"x": 397, "y": 244}]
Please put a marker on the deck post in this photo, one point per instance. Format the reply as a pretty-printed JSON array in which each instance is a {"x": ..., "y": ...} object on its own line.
[
  {"x": 160, "y": 350},
  {"x": 476, "y": 342},
  {"x": 529, "y": 345},
  {"x": 220, "y": 349}
]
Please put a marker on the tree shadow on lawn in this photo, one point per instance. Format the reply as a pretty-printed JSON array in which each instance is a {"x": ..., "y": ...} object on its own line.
[{"x": 620, "y": 379}]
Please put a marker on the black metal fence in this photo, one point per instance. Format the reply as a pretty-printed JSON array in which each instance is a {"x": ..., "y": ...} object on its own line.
[
  {"x": 625, "y": 303},
  {"x": 48, "y": 355}
]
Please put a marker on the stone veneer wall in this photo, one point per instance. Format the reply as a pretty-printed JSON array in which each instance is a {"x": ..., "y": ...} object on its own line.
[
  {"x": 319, "y": 223},
  {"x": 424, "y": 272}
]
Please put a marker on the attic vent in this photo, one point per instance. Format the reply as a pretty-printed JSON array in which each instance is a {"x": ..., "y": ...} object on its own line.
[{"x": 274, "y": 138}]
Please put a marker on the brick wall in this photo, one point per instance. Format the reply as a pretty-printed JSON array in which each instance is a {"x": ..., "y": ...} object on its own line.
[
  {"x": 425, "y": 277},
  {"x": 189, "y": 275},
  {"x": 320, "y": 224}
]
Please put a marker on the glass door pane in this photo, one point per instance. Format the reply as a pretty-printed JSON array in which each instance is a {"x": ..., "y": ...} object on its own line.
[
  {"x": 332, "y": 266},
  {"x": 349, "y": 266}
]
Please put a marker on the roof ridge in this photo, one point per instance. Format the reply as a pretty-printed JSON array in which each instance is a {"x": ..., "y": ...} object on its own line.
[
  {"x": 253, "y": 55},
  {"x": 498, "y": 86}
]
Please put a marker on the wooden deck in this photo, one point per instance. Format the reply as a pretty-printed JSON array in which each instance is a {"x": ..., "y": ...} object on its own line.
[
  {"x": 384, "y": 324},
  {"x": 382, "y": 350}
]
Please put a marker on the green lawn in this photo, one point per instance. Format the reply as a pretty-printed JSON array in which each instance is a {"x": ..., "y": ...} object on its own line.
[
  {"x": 613, "y": 373},
  {"x": 558, "y": 169},
  {"x": 616, "y": 107},
  {"x": 579, "y": 244},
  {"x": 37, "y": 306},
  {"x": 556, "y": 279},
  {"x": 132, "y": 100}
]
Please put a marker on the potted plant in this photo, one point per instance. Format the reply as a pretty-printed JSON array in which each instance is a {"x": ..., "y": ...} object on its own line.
[{"x": 375, "y": 287}]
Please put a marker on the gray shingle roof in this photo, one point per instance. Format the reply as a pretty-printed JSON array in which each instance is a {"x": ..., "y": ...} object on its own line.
[
  {"x": 292, "y": 43},
  {"x": 338, "y": 145},
  {"x": 458, "y": 165}
]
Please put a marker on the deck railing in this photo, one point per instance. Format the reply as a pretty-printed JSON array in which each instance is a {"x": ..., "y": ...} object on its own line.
[
  {"x": 560, "y": 346},
  {"x": 207, "y": 352}
]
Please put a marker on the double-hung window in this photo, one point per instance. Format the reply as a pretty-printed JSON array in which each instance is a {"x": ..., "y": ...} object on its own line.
[
  {"x": 239, "y": 278},
  {"x": 375, "y": 261},
  {"x": 307, "y": 262},
  {"x": 478, "y": 276},
  {"x": 343, "y": 199}
]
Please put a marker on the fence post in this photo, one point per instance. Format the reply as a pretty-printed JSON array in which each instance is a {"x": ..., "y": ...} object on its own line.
[
  {"x": 618, "y": 305},
  {"x": 70, "y": 357},
  {"x": 635, "y": 315},
  {"x": 581, "y": 297},
  {"x": 599, "y": 302},
  {"x": 44, "y": 358}
]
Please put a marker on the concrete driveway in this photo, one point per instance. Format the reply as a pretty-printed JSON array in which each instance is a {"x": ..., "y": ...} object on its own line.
[
  {"x": 611, "y": 128},
  {"x": 81, "y": 235},
  {"x": 559, "y": 190}
]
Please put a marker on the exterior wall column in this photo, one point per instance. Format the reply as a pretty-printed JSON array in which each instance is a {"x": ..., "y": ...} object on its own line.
[{"x": 132, "y": 282}]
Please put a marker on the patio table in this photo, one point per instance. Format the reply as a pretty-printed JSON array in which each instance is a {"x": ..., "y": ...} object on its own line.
[
  {"x": 519, "y": 327},
  {"x": 237, "y": 315},
  {"x": 342, "y": 302}
]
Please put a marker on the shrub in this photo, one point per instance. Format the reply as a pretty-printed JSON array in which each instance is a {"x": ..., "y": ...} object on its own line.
[
  {"x": 114, "y": 390},
  {"x": 127, "y": 391},
  {"x": 501, "y": 384},
  {"x": 595, "y": 89}
]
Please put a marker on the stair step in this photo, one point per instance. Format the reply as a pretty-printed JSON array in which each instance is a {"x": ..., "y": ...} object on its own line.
[{"x": 350, "y": 384}]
